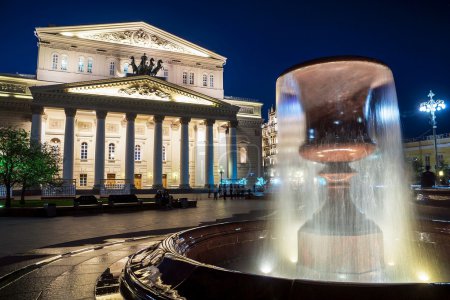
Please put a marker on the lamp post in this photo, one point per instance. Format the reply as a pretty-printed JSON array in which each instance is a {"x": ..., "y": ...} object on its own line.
[
  {"x": 221, "y": 174},
  {"x": 431, "y": 106}
]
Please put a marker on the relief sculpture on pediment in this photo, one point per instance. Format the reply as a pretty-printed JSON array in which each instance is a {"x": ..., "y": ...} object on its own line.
[{"x": 145, "y": 90}]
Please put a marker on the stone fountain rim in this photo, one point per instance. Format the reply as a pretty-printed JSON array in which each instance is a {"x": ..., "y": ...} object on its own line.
[{"x": 333, "y": 59}]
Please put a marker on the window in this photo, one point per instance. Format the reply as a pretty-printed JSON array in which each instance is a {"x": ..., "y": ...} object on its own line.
[
  {"x": 84, "y": 150},
  {"x": 64, "y": 62},
  {"x": 211, "y": 80},
  {"x": 164, "y": 153},
  {"x": 243, "y": 155},
  {"x": 191, "y": 78},
  {"x": 89, "y": 64},
  {"x": 440, "y": 159},
  {"x": 83, "y": 179},
  {"x": 81, "y": 64},
  {"x": 166, "y": 73},
  {"x": 184, "y": 77},
  {"x": 205, "y": 80},
  {"x": 125, "y": 68},
  {"x": 112, "y": 68},
  {"x": 137, "y": 153},
  {"x": 55, "y": 61},
  {"x": 55, "y": 144},
  {"x": 111, "y": 151},
  {"x": 427, "y": 160}
]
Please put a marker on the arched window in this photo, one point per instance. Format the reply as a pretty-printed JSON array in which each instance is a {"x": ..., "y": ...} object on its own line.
[
  {"x": 84, "y": 150},
  {"x": 55, "y": 144},
  {"x": 112, "y": 68},
  {"x": 211, "y": 80},
  {"x": 55, "y": 61},
  {"x": 90, "y": 62},
  {"x": 205, "y": 80},
  {"x": 111, "y": 151},
  {"x": 64, "y": 62},
  {"x": 243, "y": 155},
  {"x": 164, "y": 153},
  {"x": 125, "y": 68},
  {"x": 137, "y": 153},
  {"x": 184, "y": 77},
  {"x": 81, "y": 64}
]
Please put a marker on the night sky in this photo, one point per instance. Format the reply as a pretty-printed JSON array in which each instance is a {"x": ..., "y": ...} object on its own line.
[{"x": 263, "y": 38}]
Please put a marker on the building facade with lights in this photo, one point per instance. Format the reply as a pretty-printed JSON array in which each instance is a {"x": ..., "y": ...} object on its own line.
[
  {"x": 269, "y": 144},
  {"x": 173, "y": 129}
]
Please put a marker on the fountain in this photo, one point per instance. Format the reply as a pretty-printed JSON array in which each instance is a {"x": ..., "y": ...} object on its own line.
[{"x": 343, "y": 216}]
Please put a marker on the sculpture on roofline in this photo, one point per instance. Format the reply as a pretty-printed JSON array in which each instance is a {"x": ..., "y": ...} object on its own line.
[{"x": 146, "y": 67}]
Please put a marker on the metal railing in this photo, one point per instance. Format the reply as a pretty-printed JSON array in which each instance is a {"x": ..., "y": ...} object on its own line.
[
  {"x": 60, "y": 188},
  {"x": 114, "y": 187}
]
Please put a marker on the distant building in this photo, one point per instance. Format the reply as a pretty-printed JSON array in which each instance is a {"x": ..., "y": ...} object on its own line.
[
  {"x": 269, "y": 144},
  {"x": 421, "y": 150}
]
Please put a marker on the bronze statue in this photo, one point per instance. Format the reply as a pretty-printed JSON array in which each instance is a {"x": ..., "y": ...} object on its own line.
[
  {"x": 157, "y": 68},
  {"x": 142, "y": 66},
  {"x": 133, "y": 65},
  {"x": 146, "y": 68}
]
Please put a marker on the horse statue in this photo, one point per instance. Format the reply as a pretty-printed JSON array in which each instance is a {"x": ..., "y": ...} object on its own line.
[
  {"x": 133, "y": 65},
  {"x": 150, "y": 66},
  {"x": 142, "y": 69},
  {"x": 157, "y": 68}
]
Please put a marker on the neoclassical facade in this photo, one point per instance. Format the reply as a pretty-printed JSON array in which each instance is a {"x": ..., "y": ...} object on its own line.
[
  {"x": 173, "y": 127},
  {"x": 269, "y": 144}
]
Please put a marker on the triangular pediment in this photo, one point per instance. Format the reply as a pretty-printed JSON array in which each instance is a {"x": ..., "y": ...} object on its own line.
[
  {"x": 146, "y": 88},
  {"x": 138, "y": 34}
]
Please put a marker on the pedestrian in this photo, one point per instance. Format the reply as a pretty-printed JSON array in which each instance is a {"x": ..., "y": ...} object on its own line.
[
  {"x": 428, "y": 179},
  {"x": 215, "y": 194}
]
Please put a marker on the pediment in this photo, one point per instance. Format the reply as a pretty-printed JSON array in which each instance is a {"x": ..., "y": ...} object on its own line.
[
  {"x": 138, "y": 34},
  {"x": 143, "y": 87}
]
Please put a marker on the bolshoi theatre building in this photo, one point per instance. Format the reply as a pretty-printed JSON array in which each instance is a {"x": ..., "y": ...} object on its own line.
[{"x": 132, "y": 102}]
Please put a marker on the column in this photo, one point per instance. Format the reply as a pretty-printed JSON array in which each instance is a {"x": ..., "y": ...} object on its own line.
[
  {"x": 157, "y": 153},
  {"x": 99, "y": 171},
  {"x": 232, "y": 150},
  {"x": 69, "y": 140},
  {"x": 184, "y": 153},
  {"x": 129, "y": 149},
  {"x": 209, "y": 154},
  {"x": 36, "y": 123}
]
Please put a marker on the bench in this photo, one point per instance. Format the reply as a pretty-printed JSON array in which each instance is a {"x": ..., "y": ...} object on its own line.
[
  {"x": 86, "y": 200},
  {"x": 112, "y": 199}
]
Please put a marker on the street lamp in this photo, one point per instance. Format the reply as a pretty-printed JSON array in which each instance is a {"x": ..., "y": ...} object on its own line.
[{"x": 431, "y": 107}]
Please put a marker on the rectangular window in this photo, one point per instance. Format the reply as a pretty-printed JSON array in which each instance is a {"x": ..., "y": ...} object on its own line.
[
  {"x": 441, "y": 159},
  {"x": 83, "y": 179},
  {"x": 112, "y": 68},
  {"x": 211, "y": 80},
  {"x": 89, "y": 65},
  {"x": 55, "y": 61},
  {"x": 64, "y": 62},
  {"x": 191, "y": 78},
  {"x": 81, "y": 64},
  {"x": 427, "y": 160},
  {"x": 166, "y": 73},
  {"x": 184, "y": 77},
  {"x": 205, "y": 80}
]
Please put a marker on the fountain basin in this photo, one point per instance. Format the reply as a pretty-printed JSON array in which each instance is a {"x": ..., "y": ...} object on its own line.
[{"x": 195, "y": 264}]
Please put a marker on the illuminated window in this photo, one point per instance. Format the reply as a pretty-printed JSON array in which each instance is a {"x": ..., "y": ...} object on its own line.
[
  {"x": 211, "y": 80},
  {"x": 55, "y": 61},
  {"x": 184, "y": 77},
  {"x": 125, "y": 68},
  {"x": 191, "y": 78},
  {"x": 81, "y": 64},
  {"x": 137, "y": 153},
  {"x": 427, "y": 160},
  {"x": 164, "y": 153},
  {"x": 64, "y": 62},
  {"x": 112, "y": 68},
  {"x": 84, "y": 150},
  {"x": 83, "y": 179},
  {"x": 111, "y": 151},
  {"x": 205, "y": 80},
  {"x": 90, "y": 62},
  {"x": 243, "y": 155}
]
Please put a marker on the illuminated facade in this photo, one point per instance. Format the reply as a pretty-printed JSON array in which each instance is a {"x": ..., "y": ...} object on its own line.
[
  {"x": 174, "y": 129},
  {"x": 269, "y": 144},
  {"x": 421, "y": 150}
]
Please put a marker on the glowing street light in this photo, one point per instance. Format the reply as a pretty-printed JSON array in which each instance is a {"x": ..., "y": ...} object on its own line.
[{"x": 431, "y": 107}]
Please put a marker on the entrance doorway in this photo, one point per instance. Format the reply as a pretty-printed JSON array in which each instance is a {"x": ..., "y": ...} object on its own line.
[
  {"x": 110, "y": 178},
  {"x": 164, "y": 178},
  {"x": 138, "y": 181}
]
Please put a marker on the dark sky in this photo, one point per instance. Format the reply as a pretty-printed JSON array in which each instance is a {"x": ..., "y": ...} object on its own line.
[{"x": 263, "y": 38}]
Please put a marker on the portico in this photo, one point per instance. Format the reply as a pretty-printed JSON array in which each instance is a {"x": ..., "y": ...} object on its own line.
[{"x": 173, "y": 136}]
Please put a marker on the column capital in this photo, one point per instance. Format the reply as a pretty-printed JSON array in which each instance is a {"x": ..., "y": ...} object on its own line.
[
  {"x": 185, "y": 120},
  {"x": 130, "y": 116},
  {"x": 234, "y": 123},
  {"x": 101, "y": 114},
  {"x": 209, "y": 122},
  {"x": 37, "y": 109},
  {"x": 70, "y": 112},
  {"x": 158, "y": 118}
]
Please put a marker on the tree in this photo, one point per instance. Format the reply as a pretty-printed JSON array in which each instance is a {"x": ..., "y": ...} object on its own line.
[
  {"x": 24, "y": 162},
  {"x": 14, "y": 144},
  {"x": 39, "y": 166}
]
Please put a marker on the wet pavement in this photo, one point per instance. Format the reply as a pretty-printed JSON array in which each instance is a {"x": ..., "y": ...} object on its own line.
[{"x": 62, "y": 257}]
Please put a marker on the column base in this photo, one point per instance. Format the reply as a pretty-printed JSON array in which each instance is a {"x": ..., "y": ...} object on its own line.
[
  {"x": 157, "y": 186},
  {"x": 185, "y": 186}
]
